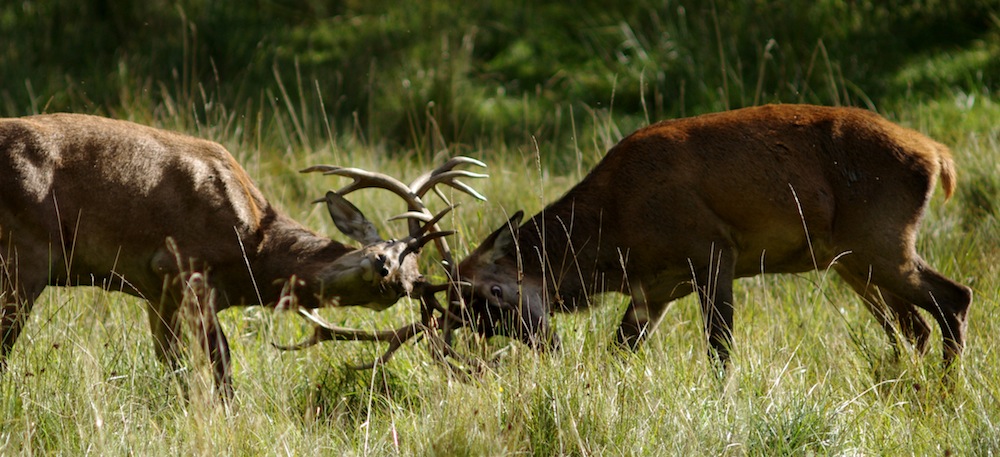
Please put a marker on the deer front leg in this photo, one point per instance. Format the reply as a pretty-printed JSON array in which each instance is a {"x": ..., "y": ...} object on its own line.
[
  {"x": 187, "y": 288},
  {"x": 714, "y": 284},
  {"x": 646, "y": 310},
  {"x": 639, "y": 321},
  {"x": 13, "y": 315},
  {"x": 717, "y": 311},
  {"x": 164, "y": 323},
  {"x": 199, "y": 298}
]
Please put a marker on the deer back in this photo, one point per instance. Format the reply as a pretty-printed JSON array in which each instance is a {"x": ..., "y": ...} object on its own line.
[
  {"x": 753, "y": 177},
  {"x": 101, "y": 196}
]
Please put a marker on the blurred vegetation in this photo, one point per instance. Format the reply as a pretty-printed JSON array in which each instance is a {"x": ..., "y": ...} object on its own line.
[{"x": 421, "y": 74}]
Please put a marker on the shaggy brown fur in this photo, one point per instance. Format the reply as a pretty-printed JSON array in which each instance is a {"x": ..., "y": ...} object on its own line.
[{"x": 86, "y": 200}]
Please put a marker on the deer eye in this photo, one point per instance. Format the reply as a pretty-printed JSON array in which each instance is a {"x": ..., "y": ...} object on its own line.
[
  {"x": 380, "y": 262},
  {"x": 497, "y": 292}
]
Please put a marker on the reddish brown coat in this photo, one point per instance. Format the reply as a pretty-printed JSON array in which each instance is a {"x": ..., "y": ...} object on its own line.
[{"x": 691, "y": 204}]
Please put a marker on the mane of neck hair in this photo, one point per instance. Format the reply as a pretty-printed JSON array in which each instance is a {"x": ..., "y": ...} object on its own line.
[{"x": 562, "y": 247}]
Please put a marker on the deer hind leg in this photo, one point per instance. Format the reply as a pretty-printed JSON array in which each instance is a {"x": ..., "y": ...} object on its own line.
[
  {"x": 945, "y": 299},
  {"x": 912, "y": 281},
  {"x": 20, "y": 285},
  {"x": 895, "y": 315}
]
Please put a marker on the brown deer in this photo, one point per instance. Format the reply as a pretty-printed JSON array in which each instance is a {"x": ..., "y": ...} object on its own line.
[
  {"x": 689, "y": 205},
  {"x": 87, "y": 200}
]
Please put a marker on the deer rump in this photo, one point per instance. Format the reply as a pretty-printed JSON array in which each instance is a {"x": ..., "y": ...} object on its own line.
[{"x": 689, "y": 205}]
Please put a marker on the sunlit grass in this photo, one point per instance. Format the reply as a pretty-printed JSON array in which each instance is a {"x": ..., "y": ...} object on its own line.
[{"x": 812, "y": 372}]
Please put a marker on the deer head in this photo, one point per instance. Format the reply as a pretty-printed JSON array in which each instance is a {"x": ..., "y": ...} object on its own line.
[{"x": 418, "y": 214}]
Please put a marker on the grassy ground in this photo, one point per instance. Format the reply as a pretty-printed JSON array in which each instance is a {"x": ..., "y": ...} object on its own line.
[
  {"x": 540, "y": 95},
  {"x": 812, "y": 372}
]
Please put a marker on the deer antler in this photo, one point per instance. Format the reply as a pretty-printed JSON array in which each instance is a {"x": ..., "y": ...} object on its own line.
[
  {"x": 325, "y": 331},
  {"x": 445, "y": 174},
  {"x": 414, "y": 193},
  {"x": 440, "y": 349},
  {"x": 420, "y": 234}
]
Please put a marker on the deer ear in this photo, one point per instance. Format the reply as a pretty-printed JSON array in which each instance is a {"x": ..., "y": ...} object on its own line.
[
  {"x": 349, "y": 220},
  {"x": 501, "y": 242}
]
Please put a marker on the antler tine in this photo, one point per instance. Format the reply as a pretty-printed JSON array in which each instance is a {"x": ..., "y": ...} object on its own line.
[
  {"x": 418, "y": 215},
  {"x": 426, "y": 217},
  {"x": 435, "y": 288},
  {"x": 447, "y": 166},
  {"x": 459, "y": 160},
  {"x": 418, "y": 242},
  {"x": 325, "y": 331},
  {"x": 445, "y": 174},
  {"x": 402, "y": 335},
  {"x": 367, "y": 179},
  {"x": 449, "y": 178},
  {"x": 315, "y": 168}
]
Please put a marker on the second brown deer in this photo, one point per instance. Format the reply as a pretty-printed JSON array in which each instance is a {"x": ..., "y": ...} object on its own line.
[{"x": 690, "y": 205}]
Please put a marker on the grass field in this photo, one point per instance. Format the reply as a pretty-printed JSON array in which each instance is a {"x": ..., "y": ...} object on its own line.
[{"x": 812, "y": 372}]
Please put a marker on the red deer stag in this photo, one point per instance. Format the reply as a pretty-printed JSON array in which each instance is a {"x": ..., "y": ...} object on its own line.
[
  {"x": 86, "y": 200},
  {"x": 689, "y": 205}
]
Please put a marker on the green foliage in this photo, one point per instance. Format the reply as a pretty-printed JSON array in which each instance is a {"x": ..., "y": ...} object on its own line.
[{"x": 425, "y": 74}]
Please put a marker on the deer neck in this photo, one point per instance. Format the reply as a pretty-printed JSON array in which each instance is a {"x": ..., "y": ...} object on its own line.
[
  {"x": 562, "y": 246},
  {"x": 288, "y": 250}
]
